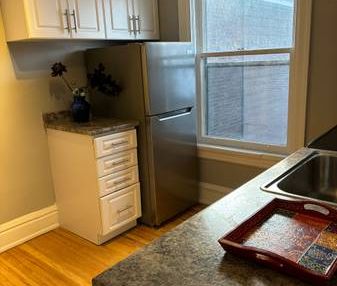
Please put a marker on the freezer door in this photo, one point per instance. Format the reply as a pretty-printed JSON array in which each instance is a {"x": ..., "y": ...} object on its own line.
[
  {"x": 169, "y": 76},
  {"x": 174, "y": 163}
]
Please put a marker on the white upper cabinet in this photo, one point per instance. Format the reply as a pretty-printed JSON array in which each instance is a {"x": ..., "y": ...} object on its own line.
[
  {"x": 80, "y": 19},
  {"x": 118, "y": 19},
  {"x": 53, "y": 19},
  {"x": 35, "y": 19},
  {"x": 47, "y": 18},
  {"x": 132, "y": 19},
  {"x": 87, "y": 19},
  {"x": 146, "y": 19}
]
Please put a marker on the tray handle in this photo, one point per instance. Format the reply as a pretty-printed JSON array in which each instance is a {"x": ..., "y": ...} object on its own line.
[
  {"x": 316, "y": 208},
  {"x": 269, "y": 260},
  {"x": 265, "y": 256}
]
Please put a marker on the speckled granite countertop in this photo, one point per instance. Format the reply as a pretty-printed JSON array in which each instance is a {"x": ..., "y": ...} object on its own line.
[
  {"x": 191, "y": 256},
  {"x": 96, "y": 127}
]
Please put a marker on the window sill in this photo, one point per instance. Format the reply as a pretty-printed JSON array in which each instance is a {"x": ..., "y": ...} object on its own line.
[{"x": 239, "y": 156}]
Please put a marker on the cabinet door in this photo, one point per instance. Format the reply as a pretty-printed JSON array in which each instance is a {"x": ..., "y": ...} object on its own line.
[
  {"x": 147, "y": 23},
  {"x": 47, "y": 19},
  {"x": 87, "y": 19},
  {"x": 118, "y": 20},
  {"x": 120, "y": 208}
]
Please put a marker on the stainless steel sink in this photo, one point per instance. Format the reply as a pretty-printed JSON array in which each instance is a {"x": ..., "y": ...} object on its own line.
[{"x": 315, "y": 177}]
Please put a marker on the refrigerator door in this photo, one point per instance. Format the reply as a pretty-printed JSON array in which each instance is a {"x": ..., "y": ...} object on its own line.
[
  {"x": 169, "y": 75},
  {"x": 174, "y": 158}
]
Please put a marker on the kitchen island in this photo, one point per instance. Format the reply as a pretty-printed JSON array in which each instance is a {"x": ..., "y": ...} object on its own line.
[{"x": 191, "y": 256}]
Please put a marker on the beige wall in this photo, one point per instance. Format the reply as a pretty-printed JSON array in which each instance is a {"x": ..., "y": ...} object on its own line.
[
  {"x": 26, "y": 90},
  {"x": 169, "y": 21},
  {"x": 226, "y": 174},
  {"x": 322, "y": 95}
]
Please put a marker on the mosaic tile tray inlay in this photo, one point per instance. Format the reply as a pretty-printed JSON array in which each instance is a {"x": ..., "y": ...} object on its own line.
[{"x": 299, "y": 238}]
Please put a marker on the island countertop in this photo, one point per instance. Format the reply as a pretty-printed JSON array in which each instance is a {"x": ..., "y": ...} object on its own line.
[
  {"x": 98, "y": 126},
  {"x": 190, "y": 254}
]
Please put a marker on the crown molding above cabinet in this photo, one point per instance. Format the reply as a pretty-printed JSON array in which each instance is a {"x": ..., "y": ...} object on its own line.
[{"x": 74, "y": 19}]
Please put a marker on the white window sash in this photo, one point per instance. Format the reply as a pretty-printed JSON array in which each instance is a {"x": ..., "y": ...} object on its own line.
[
  {"x": 245, "y": 53},
  {"x": 299, "y": 64}
]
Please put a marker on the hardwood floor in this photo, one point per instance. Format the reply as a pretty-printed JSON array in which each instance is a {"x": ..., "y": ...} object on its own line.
[{"x": 62, "y": 258}]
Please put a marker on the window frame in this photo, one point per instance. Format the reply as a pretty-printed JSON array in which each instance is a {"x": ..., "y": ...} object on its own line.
[{"x": 299, "y": 66}]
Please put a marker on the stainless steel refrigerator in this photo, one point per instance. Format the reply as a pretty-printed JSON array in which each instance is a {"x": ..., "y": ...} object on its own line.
[{"x": 158, "y": 89}]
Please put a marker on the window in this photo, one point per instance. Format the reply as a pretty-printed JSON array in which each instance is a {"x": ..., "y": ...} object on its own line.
[{"x": 252, "y": 63}]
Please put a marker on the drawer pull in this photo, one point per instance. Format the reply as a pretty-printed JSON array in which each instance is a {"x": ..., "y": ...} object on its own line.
[
  {"x": 117, "y": 182},
  {"x": 125, "y": 209},
  {"x": 119, "y": 143},
  {"x": 123, "y": 180},
  {"x": 116, "y": 163},
  {"x": 116, "y": 143},
  {"x": 121, "y": 162},
  {"x": 112, "y": 163}
]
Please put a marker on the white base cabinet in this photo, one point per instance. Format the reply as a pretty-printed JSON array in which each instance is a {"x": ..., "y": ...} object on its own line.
[{"x": 96, "y": 183}]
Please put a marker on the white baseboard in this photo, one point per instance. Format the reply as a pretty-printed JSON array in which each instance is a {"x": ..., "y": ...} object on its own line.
[
  {"x": 27, "y": 227},
  {"x": 210, "y": 193},
  {"x": 24, "y": 228}
]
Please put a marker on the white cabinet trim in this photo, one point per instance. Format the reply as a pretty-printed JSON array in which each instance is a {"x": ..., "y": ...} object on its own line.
[{"x": 239, "y": 156}]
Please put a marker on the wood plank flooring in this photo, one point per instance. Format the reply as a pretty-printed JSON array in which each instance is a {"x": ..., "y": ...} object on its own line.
[{"x": 62, "y": 258}]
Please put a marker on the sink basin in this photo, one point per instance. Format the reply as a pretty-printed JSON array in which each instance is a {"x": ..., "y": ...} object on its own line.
[{"x": 315, "y": 177}]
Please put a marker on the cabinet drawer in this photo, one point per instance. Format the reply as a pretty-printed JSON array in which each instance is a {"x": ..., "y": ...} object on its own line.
[
  {"x": 120, "y": 208},
  {"x": 117, "y": 162},
  {"x": 118, "y": 181},
  {"x": 115, "y": 143}
]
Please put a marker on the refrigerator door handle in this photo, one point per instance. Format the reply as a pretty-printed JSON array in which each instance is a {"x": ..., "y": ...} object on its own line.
[{"x": 184, "y": 112}]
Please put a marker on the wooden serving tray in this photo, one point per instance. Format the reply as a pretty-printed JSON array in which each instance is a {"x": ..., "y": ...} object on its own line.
[{"x": 297, "y": 238}]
